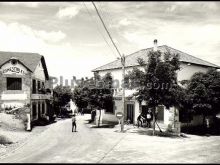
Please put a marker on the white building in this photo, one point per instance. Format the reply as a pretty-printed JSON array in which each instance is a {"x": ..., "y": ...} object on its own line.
[
  {"x": 24, "y": 80},
  {"x": 189, "y": 65}
]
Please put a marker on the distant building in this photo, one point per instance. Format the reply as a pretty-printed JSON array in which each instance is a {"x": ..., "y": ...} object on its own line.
[
  {"x": 188, "y": 66},
  {"x": 24, "y": 81}
]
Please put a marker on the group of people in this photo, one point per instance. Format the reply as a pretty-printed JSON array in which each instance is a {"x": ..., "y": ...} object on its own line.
[{"x": 145, "y": 118}]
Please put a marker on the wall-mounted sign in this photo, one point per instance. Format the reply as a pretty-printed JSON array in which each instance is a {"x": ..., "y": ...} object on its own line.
[{"x": 13, "y": 70}]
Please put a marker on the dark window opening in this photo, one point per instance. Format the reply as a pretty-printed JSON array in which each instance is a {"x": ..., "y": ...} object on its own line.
[
  {"x": 14, "y": 83},
  {"x": 34, "y": 86},
  {"x": 14, "y": 61},
  {"x": 34, "y": 110},
  {"x": 38, "y": 86},
  {"x": 43, "y": 85}
]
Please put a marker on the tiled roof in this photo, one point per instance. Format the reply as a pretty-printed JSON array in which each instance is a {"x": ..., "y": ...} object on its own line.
[
  {"x": 131, "y": 60},
  {"x": 30, "y": 60}
]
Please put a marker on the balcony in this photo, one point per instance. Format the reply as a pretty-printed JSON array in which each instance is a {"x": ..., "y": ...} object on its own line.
[{"x": 41, "y": 96}]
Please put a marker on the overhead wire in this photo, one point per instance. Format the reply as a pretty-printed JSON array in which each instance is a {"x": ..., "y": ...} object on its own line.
[
  {"x": 107, "y": 30},
  {"x": 90, "y": 14},
  {"x": 106, "y": 14}
]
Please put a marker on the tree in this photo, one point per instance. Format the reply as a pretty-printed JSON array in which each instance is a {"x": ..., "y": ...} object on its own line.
[
  {"x": 102, "y": 94},
  {"x": 204, "y": 93},
  {"x": 158, "y": 83},
  {"x": 96, "y": 92},
  {"x": 62, "y": 96}
]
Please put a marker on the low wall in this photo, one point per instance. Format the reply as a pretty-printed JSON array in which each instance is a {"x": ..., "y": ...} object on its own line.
[
  {"x": 109, "y": 117},
  {"x": 197, "y": 121}
]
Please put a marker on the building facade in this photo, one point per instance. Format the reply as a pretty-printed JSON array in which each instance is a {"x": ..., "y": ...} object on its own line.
[
  {"x": 24, "y": 81},
  {"x": 188, "y": 66}
]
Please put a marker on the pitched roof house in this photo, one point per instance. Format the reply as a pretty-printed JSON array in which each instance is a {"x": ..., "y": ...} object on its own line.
[
  {"x": 29, "y": 60},
  {"x": 188, "y": 66},
  {"x": 131, "y": 60},
  {"x": 24, "y": 81}
]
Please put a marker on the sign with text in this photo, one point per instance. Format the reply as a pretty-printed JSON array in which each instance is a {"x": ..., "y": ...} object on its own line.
[
  {"x": 10, "y": 68},
  {"x": 13, "y": 70}
]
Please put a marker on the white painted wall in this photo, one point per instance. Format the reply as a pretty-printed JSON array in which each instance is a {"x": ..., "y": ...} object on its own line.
[
  {"x": 39, "y": 72},
  {"x": 136, "y": 111},
  {"x": 117, "y": 73},
  {"x": 22, "y": 96},
  {"x": 186, "y": 72}
]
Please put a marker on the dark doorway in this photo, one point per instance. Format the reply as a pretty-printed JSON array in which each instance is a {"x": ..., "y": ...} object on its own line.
[
  {"x": 130, "y": 112},
  {"x": 160, "y": 113}
]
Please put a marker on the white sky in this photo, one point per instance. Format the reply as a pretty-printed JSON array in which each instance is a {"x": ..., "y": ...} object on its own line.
[{"x": 71, "y": 39}]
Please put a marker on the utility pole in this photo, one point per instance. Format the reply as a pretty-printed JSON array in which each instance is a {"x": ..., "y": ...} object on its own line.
[
  {"x": 123, "y": 91},
  {"x": 123, "y": 66}
]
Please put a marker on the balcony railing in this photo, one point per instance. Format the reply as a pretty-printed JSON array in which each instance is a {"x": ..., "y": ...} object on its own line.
[{"x": 41, "y": 96}]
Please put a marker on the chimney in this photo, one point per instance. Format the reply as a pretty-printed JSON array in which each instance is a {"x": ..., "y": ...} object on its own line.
[{"x": 155, "y": 45}]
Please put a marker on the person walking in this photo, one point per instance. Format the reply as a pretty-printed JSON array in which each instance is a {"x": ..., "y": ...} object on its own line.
[{"x": 74, "y": 122}]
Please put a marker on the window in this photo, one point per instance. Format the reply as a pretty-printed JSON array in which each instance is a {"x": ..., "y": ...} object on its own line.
[
  {"x": 14, "y": 61},
  {"x": 14, "y": 83},
  {"x": 34, "y": 110},
  {"x": 38, "y": 86},
  {"x": 43, "y": 85},
  {"x": 34, "y": 86}
]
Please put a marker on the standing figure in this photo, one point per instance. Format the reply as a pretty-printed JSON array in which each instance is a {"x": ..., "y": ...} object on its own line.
[
  {"x": 82, "y": 111},
  {"x": 149, "y": 118},
  {"x": 74, "y": 122}
]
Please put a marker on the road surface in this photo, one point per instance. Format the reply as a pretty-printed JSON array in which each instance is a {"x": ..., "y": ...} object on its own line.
[{"x": 58, "y": 144}]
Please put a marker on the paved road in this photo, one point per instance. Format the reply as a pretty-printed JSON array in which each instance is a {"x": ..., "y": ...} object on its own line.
[{"x": 58, "y": 144}]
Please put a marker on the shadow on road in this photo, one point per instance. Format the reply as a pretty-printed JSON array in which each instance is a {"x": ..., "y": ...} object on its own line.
[
  {"x": 149, "y": 132},
  {"x": 103, "y": 126},
  {"x": 42, "y": 123}
]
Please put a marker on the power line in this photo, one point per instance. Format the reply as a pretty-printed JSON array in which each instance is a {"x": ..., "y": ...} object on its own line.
[
  {"x": 123, "y": 67},
  {"x": 107, "y": 15},
  {"x": 106, "y": 29},
  {"x": 90, "y": 14}
]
